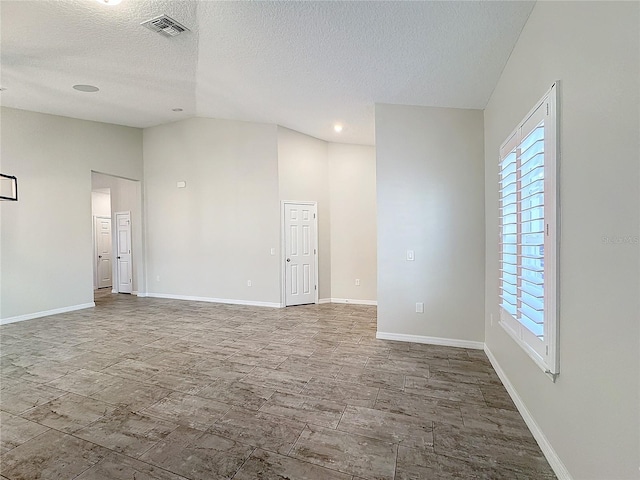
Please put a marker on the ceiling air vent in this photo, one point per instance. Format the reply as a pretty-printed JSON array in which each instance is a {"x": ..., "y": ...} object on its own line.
[{"x": 165, "y": 25}]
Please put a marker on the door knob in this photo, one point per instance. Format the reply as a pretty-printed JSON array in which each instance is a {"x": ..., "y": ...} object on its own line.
[
  {"x": 288, "y": 259},
  {"x": 99, "y": 256}
]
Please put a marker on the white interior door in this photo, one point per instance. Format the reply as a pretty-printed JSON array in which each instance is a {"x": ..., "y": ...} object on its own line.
[
  {"x": 300, "y": 251},
  {"x": 123, "y": 239},
  {"x": 104, "y": 268}
]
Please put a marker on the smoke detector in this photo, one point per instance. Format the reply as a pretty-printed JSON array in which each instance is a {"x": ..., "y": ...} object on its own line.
[{"x": 165, "y": 25}]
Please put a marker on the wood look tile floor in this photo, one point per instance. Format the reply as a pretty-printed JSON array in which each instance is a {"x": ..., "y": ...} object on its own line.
[{"x": 161, "y": 389}]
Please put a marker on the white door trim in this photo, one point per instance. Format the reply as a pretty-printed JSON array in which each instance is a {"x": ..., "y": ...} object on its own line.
[
  {"x": 283, "y": 273},
  {"x": 96, "y": 253},
  {"x": 130, "y": 241}
]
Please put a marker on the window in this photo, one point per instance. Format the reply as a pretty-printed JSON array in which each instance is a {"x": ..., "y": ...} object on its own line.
[{"x": 528, "y": 234}]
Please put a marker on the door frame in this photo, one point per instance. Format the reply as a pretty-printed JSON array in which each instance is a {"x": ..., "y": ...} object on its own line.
[
  {"x": 96, "y": 273},
  {"x": 283, "y": 269},
  {"x": 114, "y": 233}
]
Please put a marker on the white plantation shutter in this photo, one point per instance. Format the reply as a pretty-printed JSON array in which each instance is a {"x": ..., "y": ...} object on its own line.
[{"x": 528, "y": 234}]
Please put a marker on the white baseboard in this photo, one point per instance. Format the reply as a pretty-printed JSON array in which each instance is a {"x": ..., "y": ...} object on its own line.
[
  {"x": 550, "y": 454},
  {"x": 213, "y": 300},
  {"x": 46, "y": 313},
  {"x": 139, "y": 294},
  {"x": 348, "y": 300},
  {"x": 447, "y": 342}
]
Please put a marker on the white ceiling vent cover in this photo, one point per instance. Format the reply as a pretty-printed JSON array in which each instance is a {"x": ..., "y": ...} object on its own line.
[{"x": 165, "y": 25}]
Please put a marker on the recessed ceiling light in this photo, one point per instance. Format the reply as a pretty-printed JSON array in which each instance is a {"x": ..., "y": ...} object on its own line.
[
  {"x": 176, "y": 109},
  {"x": 86, "y": 88},
  {"x": 109, "y": 2},
  {"x": 337, "y": 127}
]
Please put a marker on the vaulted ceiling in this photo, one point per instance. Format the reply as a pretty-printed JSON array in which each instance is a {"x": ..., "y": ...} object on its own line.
[{"x": 305, "y": 65}]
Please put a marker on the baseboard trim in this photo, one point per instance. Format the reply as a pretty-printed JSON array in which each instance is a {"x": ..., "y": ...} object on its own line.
[
  {"x": 324, "y": 300},
  {"x": 550, "y": 454},
  {"x": 447, "y": 342},
  {"x": 213, "y": 300},
  {"x": 351, "y": 301},
  {"x": 46, "y": 313}
]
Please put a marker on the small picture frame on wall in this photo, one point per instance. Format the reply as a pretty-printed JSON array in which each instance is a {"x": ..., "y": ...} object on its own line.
[{"x": 8, "y": 188}]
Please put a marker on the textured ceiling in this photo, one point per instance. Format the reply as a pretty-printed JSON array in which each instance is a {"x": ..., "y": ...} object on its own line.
[{"x": 304, "y": 65}]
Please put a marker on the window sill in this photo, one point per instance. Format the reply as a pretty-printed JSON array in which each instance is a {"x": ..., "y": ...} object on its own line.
[{"x": 538, "y": 360}]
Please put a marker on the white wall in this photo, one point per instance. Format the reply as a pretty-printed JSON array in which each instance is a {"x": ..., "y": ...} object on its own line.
[
  {"x": 46, "y": 240},
  {"x": 100, "y": 204},
  {"x": 303, "y": 172},
  {"x": 208, "y": 239},
  {"x": 352, "y": 191},
  {"x": 590, "y": 416},
  {"x": 429, "y": 170}
]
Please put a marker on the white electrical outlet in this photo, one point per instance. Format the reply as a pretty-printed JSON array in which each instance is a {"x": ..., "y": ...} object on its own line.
[
  {"x": 357, "y": 282},
  {"x": 419, "y": 307},
  {"x": 248, "y": 283},
  {"x": 410, "y": 256}
]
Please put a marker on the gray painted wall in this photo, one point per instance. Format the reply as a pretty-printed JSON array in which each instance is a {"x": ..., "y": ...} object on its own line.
[
  {"x": 303, "y": 173},
  {"x": 208, "y": 239},
  {"x": 352, "y": 188},
  {"x": 590, "y": 415},
  {"x": 430, "y": 199},
  {"x": 205, "y": 240},
  {"x": 46, "y": 237}
]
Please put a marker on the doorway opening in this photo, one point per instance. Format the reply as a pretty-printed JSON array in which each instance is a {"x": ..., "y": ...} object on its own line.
[
  {"x": 102, "y": 239},
  {"x": 117, "y": 224}
]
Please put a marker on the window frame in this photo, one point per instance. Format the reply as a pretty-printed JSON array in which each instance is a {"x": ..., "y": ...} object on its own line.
[{"x": 545, "y": 352}]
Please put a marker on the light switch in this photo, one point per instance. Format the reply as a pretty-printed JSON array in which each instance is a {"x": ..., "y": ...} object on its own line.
[
  {"x": 273, "y": 251},
  {"x": 410, "y": 256},
  {"x": 419, "y": 307}
]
